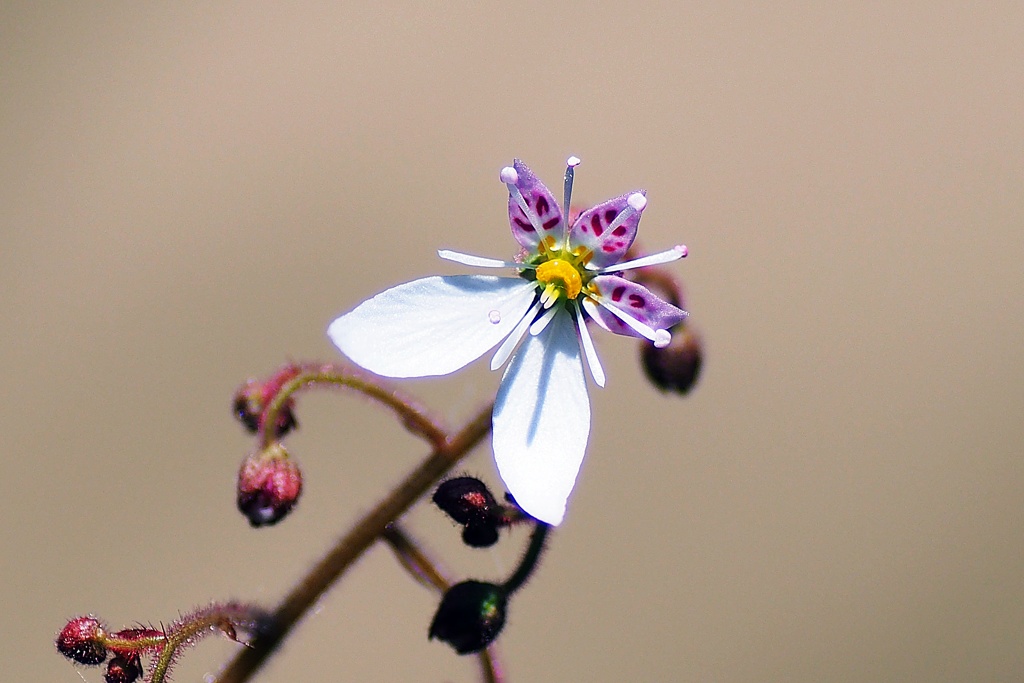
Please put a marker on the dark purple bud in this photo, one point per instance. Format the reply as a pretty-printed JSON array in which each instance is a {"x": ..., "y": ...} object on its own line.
[
  {"x": 480, "y": 535},
  {"x": 465, "y": 499},
  {"x": 123, "y": 669},
  {"x": 676, "y": 366},
  {"x": 469, "y": 502},
  {"x": 83, "y": 641},
  {"x": 470, "y": 616},
  {"x": 269, "y": 484}
]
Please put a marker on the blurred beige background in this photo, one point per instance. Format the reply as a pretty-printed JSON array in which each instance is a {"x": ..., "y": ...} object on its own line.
[{"x": 190, "y": 193}]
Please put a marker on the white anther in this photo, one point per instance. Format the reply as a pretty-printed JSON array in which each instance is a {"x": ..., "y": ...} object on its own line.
[{"x": 509, "y": 176}]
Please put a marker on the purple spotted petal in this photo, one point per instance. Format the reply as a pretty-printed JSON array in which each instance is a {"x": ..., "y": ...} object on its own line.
[
  {"x": 632, "y": 299},
  {"x": 591, "y": 231},
  {"x": 547, "y": 215}
]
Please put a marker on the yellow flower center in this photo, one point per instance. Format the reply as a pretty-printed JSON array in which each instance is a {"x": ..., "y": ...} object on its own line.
[{"x": 561, "y": 277}]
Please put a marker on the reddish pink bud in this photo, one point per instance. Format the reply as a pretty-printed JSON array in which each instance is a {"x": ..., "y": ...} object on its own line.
[
  {"x": 83, "y": 641},
  {"x": 253, "y": 397},
  {"x": 269, "y": 484}
]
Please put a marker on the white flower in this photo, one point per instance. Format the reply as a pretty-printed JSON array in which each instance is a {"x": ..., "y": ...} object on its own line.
[{"x": 437, "y": 325}]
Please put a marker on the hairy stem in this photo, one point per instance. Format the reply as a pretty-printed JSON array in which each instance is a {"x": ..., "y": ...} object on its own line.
[
  {"x": 530, "y": 559},
  {"x": 350, "y": 546},
  {"x": 224, "y": 618},
  {"x": 415, "y": 420}
]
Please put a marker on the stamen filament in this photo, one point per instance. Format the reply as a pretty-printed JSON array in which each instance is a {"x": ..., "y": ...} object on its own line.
[
  {"x": 521, "y": 200},
  {"x": 478, "y": 261},
  {"x": 661, "y": 338},
  {"x": 673, "y": 254},
  {"x": 635, "y": 203},
  {"x": 570, "y": 165}
]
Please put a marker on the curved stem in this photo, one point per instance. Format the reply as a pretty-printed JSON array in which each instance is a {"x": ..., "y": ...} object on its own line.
[
  {"x": 350, "y": 546},
  {"x": 530, "y": 558},
  {"x": 225, "y": 618},
  {"x": 414, "y": 419}
]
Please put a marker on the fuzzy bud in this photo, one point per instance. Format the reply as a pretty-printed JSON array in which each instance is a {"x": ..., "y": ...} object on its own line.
[
  {"x": 269, "y": 484},
  {"x": 469, "y": 502},
  {"x": 470, "y": 616},
  {"x": 83, "y": 641},
  {"x": 252, "y": 399},
  {"x": 676, "y": 366}
]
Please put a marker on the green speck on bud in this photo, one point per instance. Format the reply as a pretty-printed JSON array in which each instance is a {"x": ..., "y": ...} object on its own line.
[{"x": 470, "y": 616}]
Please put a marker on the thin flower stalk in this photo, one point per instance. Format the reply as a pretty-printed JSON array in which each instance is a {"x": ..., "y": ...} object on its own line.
[
  {"x": 353, "y": 544},
  {"x": 415, "y": 419},
  {"x": 416, "y": 562}
]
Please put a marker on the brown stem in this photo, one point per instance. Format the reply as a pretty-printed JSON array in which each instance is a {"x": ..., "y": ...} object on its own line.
[
  {"x": 414, "y": 419},
  {"x": 350, "y": 546},
  {"x": 424, "y": 570}
]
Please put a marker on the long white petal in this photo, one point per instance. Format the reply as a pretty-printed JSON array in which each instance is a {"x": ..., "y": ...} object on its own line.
[
  {"x": 542, "y": 420},
  {"x": 432, "y": 326}
]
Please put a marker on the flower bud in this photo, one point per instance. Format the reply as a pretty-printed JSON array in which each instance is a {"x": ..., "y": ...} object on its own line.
[
  {"x": 469, "y": 502},
  {"x": 269, "y": 484},
  {"x": 480, "y": 535},
  {"x": 470, "y": 616},
  {"x": 82, "y": 640},
  {"x": 252, "y": 399},
  {"x": 676, "y": 366},
  {"x": 123, "y": 669}
]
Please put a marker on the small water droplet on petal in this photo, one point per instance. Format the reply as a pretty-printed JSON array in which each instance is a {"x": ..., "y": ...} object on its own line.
[{"x": 494, "y": 317}]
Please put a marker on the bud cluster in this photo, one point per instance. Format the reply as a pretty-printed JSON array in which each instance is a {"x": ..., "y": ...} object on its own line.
[
  {"x": 472, "y": 613},
  {"x": 469, "y": 502},
  {"x": 86, "y": 641}
]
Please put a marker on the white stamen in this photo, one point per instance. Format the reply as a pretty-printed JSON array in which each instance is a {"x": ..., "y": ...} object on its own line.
[
  {"x": 587, "y": 344},
  {"x": 479, "y": 261},
  {"x": 509, "y": 176},
  {"x": 570, "y": 164},
  {"x": 538, "y": 326},
  {"x": 494, "y": 316},
  {"x": 661, "y": 338},
  {"x": 521, "y": 201},
  {"x": 513, "y": 339},
  {"x": 673, "y": 254},
  {"x": 637, "y": 201}
]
